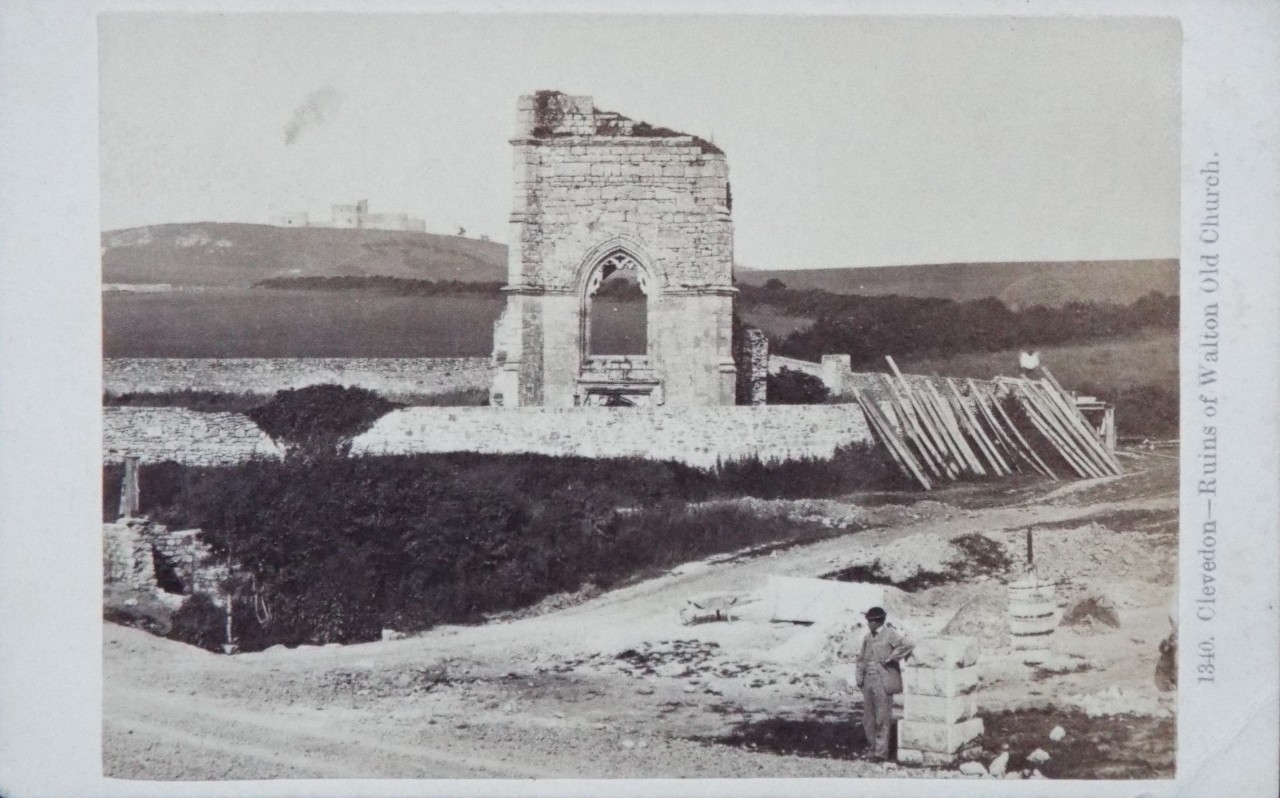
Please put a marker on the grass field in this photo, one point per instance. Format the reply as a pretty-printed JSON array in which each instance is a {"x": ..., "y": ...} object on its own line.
[
  {"x": 260, "y": 323},
  {"x": 242, "y": 322},
  {"x": 1151, "y": 359}
]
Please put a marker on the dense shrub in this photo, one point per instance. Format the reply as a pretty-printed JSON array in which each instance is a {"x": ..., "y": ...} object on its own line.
[
  {"x": 788, "y": 387},
  {"x": 203, "y": 401},
  {"x": 200, "y": 623},
  {"x": 462, "y": 397},
  {"x": 869, "y": 327},
  {"x": 158, "y": 483},
  {"x": 341, "y": 547},
  {"x": 394, "y": 286},
  {"x": 319, "y": 420},
  {"x": 1142, "y": 411}
]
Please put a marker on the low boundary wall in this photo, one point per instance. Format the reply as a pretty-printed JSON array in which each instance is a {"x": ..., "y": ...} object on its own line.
[
  {"x": 156, "y": 434},
  {"x": 388, "y": 376},
  {"x": 697, "y": 436}
]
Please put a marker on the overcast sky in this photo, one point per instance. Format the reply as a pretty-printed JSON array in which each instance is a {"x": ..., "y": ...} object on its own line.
[{"x": 851, "y": 141}]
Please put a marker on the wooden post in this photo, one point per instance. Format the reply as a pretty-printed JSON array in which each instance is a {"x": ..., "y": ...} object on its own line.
[
  {"x": 130, "y": 492},
  {"x": 1074, "y": 428},
  {"x": 1039, "y": 417},
  {"x": 975, "y": 431},
  {"x": 1006, "y": 442},
  {"x": 939, "y": 445},
  {"x": 1090, "y": 438},
  {"x": 1043, "y": 466},
  {"x": 928, "y": 453},
  {"x": 897, "y": 449}
]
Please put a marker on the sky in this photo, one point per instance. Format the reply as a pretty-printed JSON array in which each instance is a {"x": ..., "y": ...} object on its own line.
[{"x": 851, "y": 141}]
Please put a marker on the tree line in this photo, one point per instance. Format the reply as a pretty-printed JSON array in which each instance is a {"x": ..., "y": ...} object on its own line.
[{"x": 869, "y": 327}]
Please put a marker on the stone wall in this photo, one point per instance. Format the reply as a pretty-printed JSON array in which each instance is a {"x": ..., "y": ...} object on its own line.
[
  {"x": 388, "y": 376},
  {"x": 133, "y": 549},
  {"x": 777, "y": 363},
  {"x": 126, "y": 555},
  {"x": 189, "y": 559},
  {"x": 751, "y": 353},
  {"x": 699, "y": 436},
  {"x": 695, "y": 435},
  {"x": 156, "y": 434}
]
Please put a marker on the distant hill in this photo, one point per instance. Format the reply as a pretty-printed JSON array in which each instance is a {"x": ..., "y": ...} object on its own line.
[
  {"x": 1016, "y": 284},
  {"x": 238, "y": 255}
]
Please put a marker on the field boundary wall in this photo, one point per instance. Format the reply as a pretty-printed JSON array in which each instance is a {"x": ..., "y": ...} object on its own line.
[
  {"x": 697, "y": 436},
  {"x": 387, "y": 376}
]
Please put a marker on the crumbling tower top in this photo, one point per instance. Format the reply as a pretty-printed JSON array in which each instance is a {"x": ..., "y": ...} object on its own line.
[
  {"x": 594, "y": 192},
  {"x": 553, "y": 114}
]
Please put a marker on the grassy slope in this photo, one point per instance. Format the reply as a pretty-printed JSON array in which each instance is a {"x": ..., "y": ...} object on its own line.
[
  {"x": 1016, "y": 284},
  {"x": 241, "y": 322},
  {"x": 261, "y": 323},
  {"x": 1151, "y": 359},
  {"x": 225, "y": 255},
  {"x": 222, "y": 254}
]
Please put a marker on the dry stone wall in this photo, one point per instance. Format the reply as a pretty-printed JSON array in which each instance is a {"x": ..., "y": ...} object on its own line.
[
  {"x": 126, "y": 555},
  {"x": 189, "y": 559},
  {"x": 387, "y": 376},
  {"x": 699, "y": 436},
  {"x": 156, "y": 434}
]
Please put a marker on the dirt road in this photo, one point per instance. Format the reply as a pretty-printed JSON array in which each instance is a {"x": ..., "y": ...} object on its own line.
[{"x": 617, "y": 686}]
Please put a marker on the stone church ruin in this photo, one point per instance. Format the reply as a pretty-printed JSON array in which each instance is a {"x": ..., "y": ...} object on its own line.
[
  {"x": 598, "y": 196},
  {"x": 596, "y": 193}
]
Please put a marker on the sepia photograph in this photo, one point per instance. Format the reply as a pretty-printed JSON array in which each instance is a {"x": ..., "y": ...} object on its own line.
[{"x": 635, "y": 396}]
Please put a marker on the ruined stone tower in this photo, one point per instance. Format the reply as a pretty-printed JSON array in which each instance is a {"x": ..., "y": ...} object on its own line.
[{"x": 596, "y": 192}]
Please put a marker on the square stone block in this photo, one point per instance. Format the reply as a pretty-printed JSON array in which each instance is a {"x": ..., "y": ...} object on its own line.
[
  {"x": 943, "y": 738},
  {"x": 914, "y": 756},
  {"x": 945, "y": 652},
  {"x": 939, "y": 709},
  {"x": 947, "y": 682}
]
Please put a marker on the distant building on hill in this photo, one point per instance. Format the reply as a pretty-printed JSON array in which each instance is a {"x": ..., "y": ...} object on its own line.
[
  {"x": 356, "y": 217},
  {"x": 291, "y": 220}
]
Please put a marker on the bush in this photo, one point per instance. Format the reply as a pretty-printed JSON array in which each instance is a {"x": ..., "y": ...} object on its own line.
[
  {"x": 341, "y": 547},
  {"x": 202, "y": 401},
  {"x": 199, "y": 622},
  {"x": 789, "y": 387},
  {"x": 1142, "y": 411},
  {"x": 158, "y": 483},
  {"x": 869, "y": 327},
  {"x": 319, "y": 421}
]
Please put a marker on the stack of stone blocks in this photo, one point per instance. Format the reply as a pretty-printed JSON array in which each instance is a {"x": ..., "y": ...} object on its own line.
[
  {"x": 940, "y": 723},
  {"x": 126, "y": 555}
]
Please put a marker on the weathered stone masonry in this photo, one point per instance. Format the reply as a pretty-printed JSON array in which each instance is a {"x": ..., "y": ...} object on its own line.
[
  {"x": 595, "y": 192},
  {"x": 698, "y": 436},
  {"x": 156, "y": 434},
  {"x": 388, "y": 376}
]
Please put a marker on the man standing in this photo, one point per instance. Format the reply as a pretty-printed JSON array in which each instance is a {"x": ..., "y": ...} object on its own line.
[{"x": 879, "y": 673}]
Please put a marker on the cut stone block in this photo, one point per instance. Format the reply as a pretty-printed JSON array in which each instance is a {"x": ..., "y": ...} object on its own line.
[
  {"x": 1032, "y": 626},
  {"x": 935, "y": 682},
  {"x": 945, "y": 652},
  {"x": 1032, "y": 609},
  {"x": 1032, "y": 642},
  {"x": 933, "y": 759},
  {"x": 938, "y": 709},
  {"x": 910, "y": 756},
  {"x": 942, "y": 738}
]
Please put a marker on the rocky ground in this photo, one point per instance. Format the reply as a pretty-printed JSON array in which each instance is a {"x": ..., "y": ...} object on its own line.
[{"x": 617, "y": 685}]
